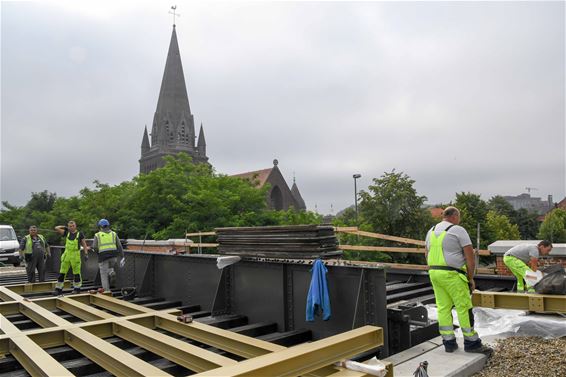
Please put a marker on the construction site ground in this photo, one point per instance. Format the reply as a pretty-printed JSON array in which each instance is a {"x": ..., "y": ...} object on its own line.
[{"x": 458, "y": 363}]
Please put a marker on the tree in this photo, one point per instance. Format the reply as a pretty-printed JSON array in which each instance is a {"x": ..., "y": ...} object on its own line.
[
  {"x": 165, "y": 203},
  {"x": 553, "y": 228},
  {"x": 499, "y": 205},
  {"x": 500, "y": 228},
  {"x": 527, "y": 223},
  {"x": 473, "y": 210},
  {"x": 392, "y": 206},
  {"x": 41, "y": 201}
]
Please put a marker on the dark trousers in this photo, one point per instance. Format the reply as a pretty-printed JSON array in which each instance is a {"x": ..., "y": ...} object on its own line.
[{"x": 34, "y": 261}]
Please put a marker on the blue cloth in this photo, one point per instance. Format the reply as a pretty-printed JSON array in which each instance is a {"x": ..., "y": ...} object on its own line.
[{"x": 318, "y": 299}]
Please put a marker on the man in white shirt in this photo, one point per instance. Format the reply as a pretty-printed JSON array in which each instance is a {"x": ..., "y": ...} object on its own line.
[{"x": 450, "y": 257}]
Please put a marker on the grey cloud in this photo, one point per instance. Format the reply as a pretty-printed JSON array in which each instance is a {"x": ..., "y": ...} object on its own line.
[{"x": 460, "y": 96}]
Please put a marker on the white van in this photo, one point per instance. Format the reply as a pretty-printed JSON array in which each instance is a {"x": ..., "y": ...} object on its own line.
[{"x": 9, "y": 246}]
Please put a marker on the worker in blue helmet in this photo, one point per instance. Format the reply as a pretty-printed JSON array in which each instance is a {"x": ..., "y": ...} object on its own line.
[{"x": 107, "y": 244}]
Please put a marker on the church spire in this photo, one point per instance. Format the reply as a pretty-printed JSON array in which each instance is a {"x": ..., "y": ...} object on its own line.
[
  {"x": 297, "y": 195},
  {"x": 145, "y": 141},
  {"x": 173, "y": 96},
  {"x": 201, "y": 143}
]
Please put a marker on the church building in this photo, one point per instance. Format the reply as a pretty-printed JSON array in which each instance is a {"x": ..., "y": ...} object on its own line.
[{"x": 173, "y": 131}]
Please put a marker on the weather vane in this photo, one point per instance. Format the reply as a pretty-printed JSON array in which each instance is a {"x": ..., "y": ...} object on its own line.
[{"x": 174, "y": 13}]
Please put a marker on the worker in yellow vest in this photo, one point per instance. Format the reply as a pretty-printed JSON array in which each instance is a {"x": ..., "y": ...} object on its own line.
[
  {"x": 34, "y": 250},
  {"x": 71, "y": 257},
  {"x": 451, "y": 262},
  {"x": 107, "y": 244}
]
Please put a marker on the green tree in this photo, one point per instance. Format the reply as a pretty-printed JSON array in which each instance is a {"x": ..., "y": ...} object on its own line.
[
  {"x": 527, "y": 222},
  {"x": 473, "y": 210},
  {"x": 501, "y": 228},
  {"x": 164, "y": 203},
  {"x": 553, "y": 228},
  {"x": 499, "y": 205},
  {"x": 392, "y": 206}
]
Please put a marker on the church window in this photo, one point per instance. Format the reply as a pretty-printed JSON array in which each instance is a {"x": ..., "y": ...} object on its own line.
[{"x": 276, "y": 198}]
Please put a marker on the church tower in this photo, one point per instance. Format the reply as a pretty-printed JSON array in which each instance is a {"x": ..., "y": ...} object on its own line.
[{"x": 173, "y": 128}]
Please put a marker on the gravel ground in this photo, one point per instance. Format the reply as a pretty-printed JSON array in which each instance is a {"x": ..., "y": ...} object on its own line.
[{"x": 527, "y": 357}]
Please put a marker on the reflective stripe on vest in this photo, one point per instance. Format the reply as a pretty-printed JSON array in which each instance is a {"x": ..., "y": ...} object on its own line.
[
  {"x": 106, "y": 241},
  {"x": 29, "y": 243},
  {"x": 72, "y": 245}
]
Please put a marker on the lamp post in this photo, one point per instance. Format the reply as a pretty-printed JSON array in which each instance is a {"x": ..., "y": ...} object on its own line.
[{"x": 356, "y": 176}]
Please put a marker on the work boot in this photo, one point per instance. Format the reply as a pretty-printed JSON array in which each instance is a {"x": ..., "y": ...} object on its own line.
[
  {"x": 76, "y": 290},
  {"x": 477, "y": 347},
  {"x": 57, "y": 292},
  {"x": 450, "y": 345}
]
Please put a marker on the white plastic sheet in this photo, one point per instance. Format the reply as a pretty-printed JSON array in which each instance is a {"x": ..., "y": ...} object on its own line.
[{"x": 506, "y": 322}]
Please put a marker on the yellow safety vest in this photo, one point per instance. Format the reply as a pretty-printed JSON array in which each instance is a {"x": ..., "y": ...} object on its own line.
[
  {"x": 29, "y": 243},
  {"x": 106, "y": 241}
]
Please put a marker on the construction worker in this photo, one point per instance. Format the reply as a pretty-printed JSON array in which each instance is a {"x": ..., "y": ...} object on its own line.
[
  {"x": 71, "y": 257},
  {"x": 33, "y": 251},
  {"x": 450, "y": 258},
  {"x": 520, "y": 257},
  {"x": 107, "y": 244}
]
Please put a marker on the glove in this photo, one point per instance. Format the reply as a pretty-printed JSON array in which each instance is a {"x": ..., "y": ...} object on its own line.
[{"x": 122, "y": 262}]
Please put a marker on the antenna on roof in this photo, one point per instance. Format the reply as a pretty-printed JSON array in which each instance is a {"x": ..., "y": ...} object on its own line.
[
  {"x": 174, "y": 13},
  {"x": 529, "y": 189}
]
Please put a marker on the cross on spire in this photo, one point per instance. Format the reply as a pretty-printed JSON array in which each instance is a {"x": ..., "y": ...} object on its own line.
[{"x": 174, "y": 13}]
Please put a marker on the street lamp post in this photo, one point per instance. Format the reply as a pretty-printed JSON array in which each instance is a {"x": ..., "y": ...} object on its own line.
[{"x": 356, "y": 176}]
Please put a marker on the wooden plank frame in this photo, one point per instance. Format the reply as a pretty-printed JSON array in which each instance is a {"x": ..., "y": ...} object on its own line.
[{"x": 106, "y": 316}]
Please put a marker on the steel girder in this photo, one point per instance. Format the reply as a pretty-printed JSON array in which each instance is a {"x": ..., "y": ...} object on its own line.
[{"x": 521, "y": 301}]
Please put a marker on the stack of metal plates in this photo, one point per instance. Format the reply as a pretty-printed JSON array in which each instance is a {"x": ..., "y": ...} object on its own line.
[{"x": 294, "y": 241}]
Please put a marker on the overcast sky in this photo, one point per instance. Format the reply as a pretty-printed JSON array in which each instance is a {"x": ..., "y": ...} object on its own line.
[{"x": 461, "y": 96}]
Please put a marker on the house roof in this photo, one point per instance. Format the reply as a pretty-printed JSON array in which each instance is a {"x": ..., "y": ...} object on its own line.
[
  {"x": 436, "y": 212},
  {"x": 258, "y": 175}
]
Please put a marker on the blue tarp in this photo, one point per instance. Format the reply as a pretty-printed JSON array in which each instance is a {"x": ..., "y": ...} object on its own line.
[{"x": 318, "y": 299}]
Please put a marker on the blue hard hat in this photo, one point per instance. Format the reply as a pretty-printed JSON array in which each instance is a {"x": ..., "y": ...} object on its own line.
[{"x": 103, "y": 222}]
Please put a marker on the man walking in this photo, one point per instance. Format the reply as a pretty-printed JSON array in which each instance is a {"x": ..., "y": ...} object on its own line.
[
  {"x": 33, "y": 250},
  {"x": 107, "y": 244},
  {"x": 520, "y": 257},
  {"x": 71, "y": 257},
  {"x": 450, "y": 257}
]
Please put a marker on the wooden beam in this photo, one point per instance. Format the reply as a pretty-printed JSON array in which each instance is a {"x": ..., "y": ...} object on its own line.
[
  {"x": 384, "y": 237},
  {"x": 201, "y": 234},
  {"x": 191, "y": 357},
  {"x": 35, "y": 360},
  {"x": 228, "y": 341},
  {"x": 202, "y": 245},
  {"x": 306, "y": 357},
  {"x": 382, "y": 249},
  {"x": 108, "y": 356},
  {"x": 80, "y": 310}
]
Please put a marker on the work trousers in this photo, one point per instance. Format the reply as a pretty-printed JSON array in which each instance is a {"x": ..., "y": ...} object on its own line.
[
  {"x": 35, "y": 260},
  {"x": 106, "y": 268},
  {"x": 451, "y": 289},
  {"x": 70, "y": 260},
  {"x": 519, "y": 269}
]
